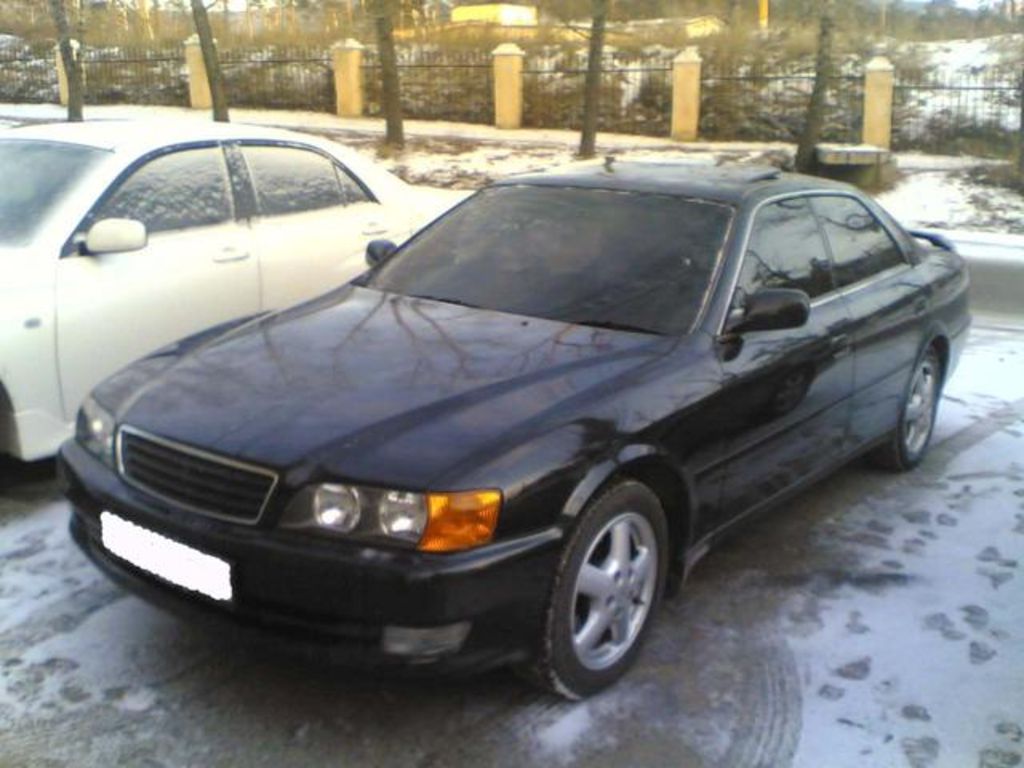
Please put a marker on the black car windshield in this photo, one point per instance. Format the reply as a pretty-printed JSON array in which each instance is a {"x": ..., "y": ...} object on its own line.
[
  {"x": 38, "y": 175},
  {"x": 627, "y": 260}
]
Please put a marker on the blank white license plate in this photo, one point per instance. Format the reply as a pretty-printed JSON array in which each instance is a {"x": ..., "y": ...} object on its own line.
[{"x": 170, "y": 560}]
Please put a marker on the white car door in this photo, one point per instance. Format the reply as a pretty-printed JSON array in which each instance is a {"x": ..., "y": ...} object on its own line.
[
  {"x": 314, "y": 220},
  {"x": 196, "y": 271}
]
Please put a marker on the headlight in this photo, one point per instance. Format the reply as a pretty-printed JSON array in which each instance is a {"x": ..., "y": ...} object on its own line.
[
  {"x": 337, "y": 507},
  {"x": 402, "y": 515},
  {"x": 94, "y": 429},
  {"x": 431, "y": 522}
]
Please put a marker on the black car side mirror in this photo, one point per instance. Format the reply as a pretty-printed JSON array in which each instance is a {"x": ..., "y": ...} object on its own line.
[
  {"x": 379, "y": 251},
  {"x": 773, "y": 309}
]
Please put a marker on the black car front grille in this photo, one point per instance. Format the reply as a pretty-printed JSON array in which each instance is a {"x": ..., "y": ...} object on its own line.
[{"x": 209, "y": 484}]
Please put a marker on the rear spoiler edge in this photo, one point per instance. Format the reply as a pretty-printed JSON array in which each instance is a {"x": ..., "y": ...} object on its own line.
[{"x": 939, "y": 241}]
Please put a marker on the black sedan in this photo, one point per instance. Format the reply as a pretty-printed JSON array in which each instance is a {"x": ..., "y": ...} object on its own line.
[{"x": 513, "y": 434}]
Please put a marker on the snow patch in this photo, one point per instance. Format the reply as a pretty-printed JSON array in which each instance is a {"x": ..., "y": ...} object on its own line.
[
  {"x": 559, "y": 738},
  {"x": 943, "y": 200}
]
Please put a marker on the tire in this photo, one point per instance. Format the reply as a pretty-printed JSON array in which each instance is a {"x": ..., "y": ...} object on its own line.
[
  {"x": 910, "y": 438},
  {"x": 597, "y": 614}
]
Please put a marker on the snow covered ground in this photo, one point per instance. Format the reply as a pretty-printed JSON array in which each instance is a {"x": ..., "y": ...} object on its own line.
[
  {"x": 875, "y": 621},
  {"x": 947, "y": 58}
]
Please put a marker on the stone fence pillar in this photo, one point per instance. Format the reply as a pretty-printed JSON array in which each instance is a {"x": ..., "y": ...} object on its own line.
[
  {"x": 878, "y": 92},
  {"x": 507, "y": 61},
  {"x": 686, "y": 95},
  {"x": 348, "y": 78},
  {"x": 198, "y": 84}
]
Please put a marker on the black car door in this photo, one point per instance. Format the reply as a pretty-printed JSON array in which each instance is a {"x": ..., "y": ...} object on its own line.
[
  {"x": 786, "y": 393},
  {"x": 888, "y": 298}
]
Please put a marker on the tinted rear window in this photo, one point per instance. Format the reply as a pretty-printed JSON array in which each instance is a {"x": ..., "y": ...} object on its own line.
[
  {"x": 598, "y": 257},
  {"x": 861, "y": 247},
  {"x": 37, "y": 175}
]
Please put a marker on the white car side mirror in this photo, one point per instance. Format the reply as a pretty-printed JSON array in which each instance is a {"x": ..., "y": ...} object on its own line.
[{"x": 116, "y": 236}]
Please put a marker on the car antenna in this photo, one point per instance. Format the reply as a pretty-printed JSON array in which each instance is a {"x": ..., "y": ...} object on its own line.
[{"x": 609, "y": 160}]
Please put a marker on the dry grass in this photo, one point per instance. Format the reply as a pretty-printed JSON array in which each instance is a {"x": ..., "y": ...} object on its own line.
[
  {"x": 1006, "y": 176},
  {"x": 101, "y": 27},
  {"x": 792, "y": 38}
]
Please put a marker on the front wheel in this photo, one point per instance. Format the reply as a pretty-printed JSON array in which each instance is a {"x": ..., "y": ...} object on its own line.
[
  {"x": 909, "y": 442},
  {"x": 609, "y": 580}
]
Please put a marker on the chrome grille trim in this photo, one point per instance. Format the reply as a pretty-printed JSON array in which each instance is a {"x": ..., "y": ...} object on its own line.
[{"x": 196, "y": 453}]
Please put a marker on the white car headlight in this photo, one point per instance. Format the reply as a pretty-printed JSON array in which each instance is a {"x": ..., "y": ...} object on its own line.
[{"x": 95, "y": 429}]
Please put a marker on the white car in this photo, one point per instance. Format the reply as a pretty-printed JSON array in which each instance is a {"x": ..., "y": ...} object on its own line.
[{"x": 117, "y": 238}]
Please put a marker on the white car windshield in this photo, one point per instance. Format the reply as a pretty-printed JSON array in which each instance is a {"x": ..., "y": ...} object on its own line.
[{"x": 37, "y": 175}]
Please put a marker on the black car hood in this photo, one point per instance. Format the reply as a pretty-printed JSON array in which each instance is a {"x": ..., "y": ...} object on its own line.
[{"x": 382, "y": 388}]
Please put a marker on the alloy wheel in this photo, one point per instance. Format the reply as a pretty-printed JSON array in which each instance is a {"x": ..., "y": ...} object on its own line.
[
  {"x": 920, "y": 410},
  {"x": 614, "y": 591}
]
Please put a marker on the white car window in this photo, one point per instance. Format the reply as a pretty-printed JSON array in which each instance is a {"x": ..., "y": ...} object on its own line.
[
  {"x": 180, "y": 190},
  {"x": 39, "y": 173},
  {"x": 292, "y": 180}
]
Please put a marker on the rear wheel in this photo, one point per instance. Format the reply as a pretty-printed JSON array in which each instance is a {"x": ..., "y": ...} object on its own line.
[
  {"x": 608, "y": 582},
  {"x": 910, "y": 439}
]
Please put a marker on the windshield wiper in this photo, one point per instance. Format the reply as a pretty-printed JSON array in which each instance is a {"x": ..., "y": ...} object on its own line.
[
  {"x": 445, "y": 300},
  {"x": 611, "y": 325}
]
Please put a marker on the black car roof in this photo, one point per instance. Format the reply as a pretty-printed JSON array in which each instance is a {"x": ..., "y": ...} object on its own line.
[{"x": 731, "y": 184}]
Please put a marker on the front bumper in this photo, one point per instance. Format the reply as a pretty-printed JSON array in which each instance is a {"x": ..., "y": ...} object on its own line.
[{"x": 328, "y": 597}]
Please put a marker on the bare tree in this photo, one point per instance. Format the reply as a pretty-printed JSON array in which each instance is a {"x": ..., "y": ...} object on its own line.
[
  {"x": 592, "y": 84},
  {"x": 391, "y": 95},
  {"x": 815, "y": 120},
  {"x": 1020, "y": 133},
  {"x": 70, "y": 61},
  {"x": 142, "y": 8},
  {"x": 211, "y": 62}
]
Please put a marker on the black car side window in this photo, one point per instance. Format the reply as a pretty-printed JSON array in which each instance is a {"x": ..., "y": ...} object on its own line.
[
  {"x": 861, "y": 246},
  {"x": 179, "y": 190},
  {"x": 786, "y": 250},
  {"x": 293, "y": 180}
]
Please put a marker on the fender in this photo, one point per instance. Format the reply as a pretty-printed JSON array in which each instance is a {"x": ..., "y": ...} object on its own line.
[
  {"x": 639, "y": 455},
  {"x": 936, "y": 330}
]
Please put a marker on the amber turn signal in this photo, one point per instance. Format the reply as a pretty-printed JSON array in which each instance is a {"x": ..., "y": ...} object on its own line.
[{"x": 460, "y": 520}]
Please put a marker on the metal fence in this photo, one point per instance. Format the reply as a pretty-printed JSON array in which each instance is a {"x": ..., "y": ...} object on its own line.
[
  {"x": 279, "y": 78},
  {"x": 135, "y": 76},
  {"x": 748, "y": 102},
  {"x": 435, "y": 84},
  {"x": 973, "y": 112},
  {"x": 28, "y": 73},
  {"x": 636, "y": 92}
]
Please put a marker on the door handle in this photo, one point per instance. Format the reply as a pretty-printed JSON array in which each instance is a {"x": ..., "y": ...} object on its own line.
[
  {"x": 920, "y": 305},
  {"x": 840, "y": 346},
  {"x": 374, "y": 228},
  {"x": 230, "y": 254}
]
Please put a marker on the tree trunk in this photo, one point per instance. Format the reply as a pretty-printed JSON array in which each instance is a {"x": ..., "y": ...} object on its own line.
[
  {"x": 1020, "y": 132},
  {"x": 391, "y": 95},
  {"x": 142, "y": 7},
  {"x": 592, "y": 85},
  {"x": 210, "y": 60},
  {"x": 806, "y": 160},
  {"x": 72, "y": 64}
]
